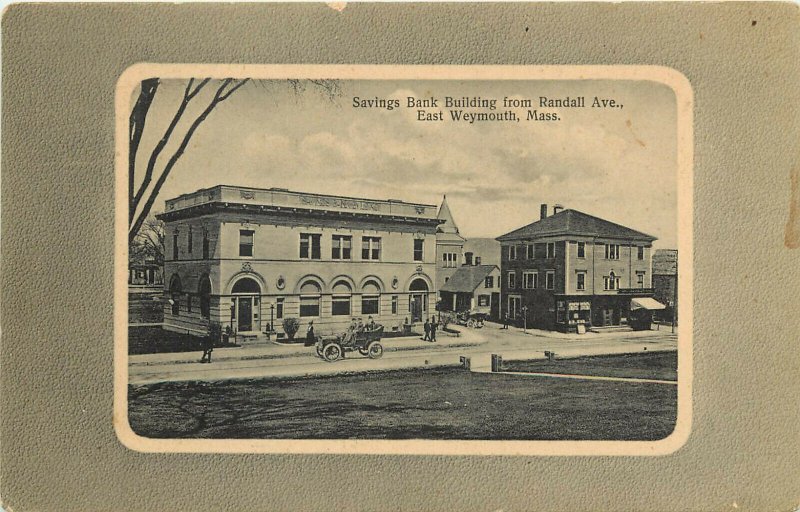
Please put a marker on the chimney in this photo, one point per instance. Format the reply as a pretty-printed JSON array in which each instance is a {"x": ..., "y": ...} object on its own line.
[
  {"x": 557, "y": 208},
  {"x": 543, "y": 211}
]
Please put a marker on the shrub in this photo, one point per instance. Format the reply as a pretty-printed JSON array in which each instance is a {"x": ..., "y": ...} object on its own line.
[
  {"x": 446, "y": 318},
  {"x": 291, "y": 326}
]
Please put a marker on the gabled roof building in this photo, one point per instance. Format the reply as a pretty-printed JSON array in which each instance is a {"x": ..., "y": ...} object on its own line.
[
  {"x": 449, "y": 245},
  {"x": 572, "y": 269}
]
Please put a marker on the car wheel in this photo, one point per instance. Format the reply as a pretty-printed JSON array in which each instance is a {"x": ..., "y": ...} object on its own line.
[
  {"x": 332, "y": 352},
  {"x": 319, "y": 350},
  {"x": 471, "y": 323},
  {"x": 375, "y": 350}
]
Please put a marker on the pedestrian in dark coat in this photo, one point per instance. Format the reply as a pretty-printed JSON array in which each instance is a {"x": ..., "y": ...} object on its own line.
[
  {"x": 505, "y": 320},
  {"x": 310, "y": 338},
  {"x": 208, "y": 347},
  {"x": 427, "y": 326},
  {"x": 433, "y": 329}
]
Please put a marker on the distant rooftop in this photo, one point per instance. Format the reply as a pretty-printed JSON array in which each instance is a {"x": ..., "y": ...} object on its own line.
[
  {"x": 467, "y": 278},
  {"x": 573, "y": 222}
]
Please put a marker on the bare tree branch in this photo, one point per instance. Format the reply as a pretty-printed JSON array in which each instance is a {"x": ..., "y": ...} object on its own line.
[
  {"x": 188, "y": 94},
  {"x": 136, "y": 128},
  {"x": 219, "y": 96}
]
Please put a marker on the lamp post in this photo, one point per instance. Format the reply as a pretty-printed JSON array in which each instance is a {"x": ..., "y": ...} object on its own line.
[{"x": 271, "y": 320}]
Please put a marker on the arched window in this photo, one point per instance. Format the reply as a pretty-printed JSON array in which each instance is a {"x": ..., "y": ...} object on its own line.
[
  {"x": 246, "y": 285},
  {"x": 370, "y": 298},
  {"x": 205, "y": 297},
  {"x": 341, "y": 299},
  {"x": 418, "y": 285},
  {"x": 309, "y": 299},
  {"x": 175, "y": 291},
  {"x": 611, "y": 281}
]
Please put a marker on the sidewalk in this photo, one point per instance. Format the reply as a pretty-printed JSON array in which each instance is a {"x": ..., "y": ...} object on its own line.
[{"x": 274, "y": 350}]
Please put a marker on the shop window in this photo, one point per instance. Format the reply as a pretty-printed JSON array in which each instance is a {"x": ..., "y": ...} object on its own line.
[
  {"x": 246, "y": 242},
  {"x": 310, "y": 246},
  {"x": 581, "y": 249},
  {"x": 581, "y": 281},
  {"x": 395, "y": 301},
  {"x": 341, "y": 247},
  {"x": 612, "y": 251},
  {"x": 419, "y": 249},
  {"x": 551, "y": 250},
  {"x": 640, "y": 254},
  {"x": 550, "y": 279},
  {"x": 370, "y": 248},
  {"x": 512, "y": 280}
]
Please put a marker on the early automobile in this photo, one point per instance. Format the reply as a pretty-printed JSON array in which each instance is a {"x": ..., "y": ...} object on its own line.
[
  {"x": 365, "y": 341},
  {"x": 471, "y": 318}
]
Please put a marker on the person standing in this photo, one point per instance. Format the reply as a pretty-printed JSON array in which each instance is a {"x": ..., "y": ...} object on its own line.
[
  {"x": 310, "y": 338},
  {"x": 427, "y": 327},
  {"x": 208, "y": 347},
  {"x": 505, "y": 320},
  {"x": 433, "y": 329}
]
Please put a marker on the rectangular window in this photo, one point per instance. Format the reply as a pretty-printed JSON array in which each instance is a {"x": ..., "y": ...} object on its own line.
[
  {"x": 581, "y": 281},
  {"x": 279, "y": 308},
  {"x": 483, "y": 300},
  {"x": 309, "y": 306},
  {"x": 449, "y": 260},
  {"x": 370, "y": 304},
  {"x": 175, "y": 246},
  {"x": 419, "y": 246},
  {"x": 512, "y": 252},
  {"x": 512, "y": 280},
  {"x": 551, "y": 250},
  {"x": 514, "y": 307},
  {"x": 540, "y": 251},
  {"x": 530, "y": 280},
  {"x": 394, "y": 304},
  {"x": 370, "y": 248},
  {"x": 205, "y": 245},
  {"x": 581, "y": 249},
  {"x": 188, "y": 303},
  {"x": 640, "y": 279},
  {"x": 310, "y": 246},
  {"x": 341, "y": 247},
  {"x": 341, "y": 305},
  {"x": 550, "y": 279},
  {"x": 641, "y": 252},
  {"x": 489, "y": 282},
  {"x": 246, "y": 242},
  {"x": 529, "y": 251},
  {"x": 189, "y": 242},
  {"x": 612, "y": 251}
]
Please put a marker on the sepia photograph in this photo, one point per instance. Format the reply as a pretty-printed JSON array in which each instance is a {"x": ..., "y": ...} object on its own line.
[{"x": 402, "y": 256}]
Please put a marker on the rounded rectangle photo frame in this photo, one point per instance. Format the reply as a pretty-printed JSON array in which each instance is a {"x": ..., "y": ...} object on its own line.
[{"x": 247, "y": 257}]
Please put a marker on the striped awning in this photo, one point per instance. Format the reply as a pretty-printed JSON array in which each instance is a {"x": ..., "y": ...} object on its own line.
[{"x": 646, "y": 303}]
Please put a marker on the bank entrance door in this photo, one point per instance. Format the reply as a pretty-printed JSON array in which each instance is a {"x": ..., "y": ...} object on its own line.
[
  {"x": 245, "y": 314},
  {"x": 418, "y": 300}
]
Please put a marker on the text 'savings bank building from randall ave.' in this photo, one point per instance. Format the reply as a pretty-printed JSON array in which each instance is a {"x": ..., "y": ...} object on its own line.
[{"x": 247, "y": 257}]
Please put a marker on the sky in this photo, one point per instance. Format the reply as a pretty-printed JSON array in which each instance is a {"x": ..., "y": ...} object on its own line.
[{"x": 616, "y": 163}]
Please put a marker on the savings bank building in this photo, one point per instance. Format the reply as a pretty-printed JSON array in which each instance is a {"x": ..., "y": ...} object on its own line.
[{"x": 247, "y": 258}]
